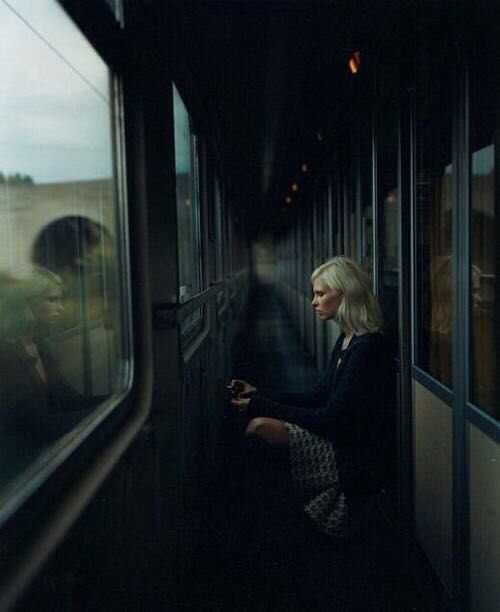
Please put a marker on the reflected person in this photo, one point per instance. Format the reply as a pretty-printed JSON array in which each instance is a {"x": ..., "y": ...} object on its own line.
[
  {"x": 80, "y": 251},
  {"x": 36, "y": 402}
]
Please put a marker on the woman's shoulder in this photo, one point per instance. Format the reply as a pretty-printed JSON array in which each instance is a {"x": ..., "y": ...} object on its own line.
[
  {"x": 370, "y": 342},
  {"x": 368, "y": 337}
]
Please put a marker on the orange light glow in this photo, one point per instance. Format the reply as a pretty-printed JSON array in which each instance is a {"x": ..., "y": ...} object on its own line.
[
  {"x": 354, "y": 62},
  {"x": 295, "y": 187},
  {"x": 304, "y": 168},
  {"x": 288, "y": 200}
]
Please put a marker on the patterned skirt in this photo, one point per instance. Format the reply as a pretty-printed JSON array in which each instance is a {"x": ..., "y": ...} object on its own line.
[{"x": 316, "y": 480}]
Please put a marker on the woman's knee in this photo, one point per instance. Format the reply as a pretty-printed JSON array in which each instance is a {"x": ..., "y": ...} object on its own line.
[
  {"x": 270, "y": 430},
  {"x": 255, "y": 426}
]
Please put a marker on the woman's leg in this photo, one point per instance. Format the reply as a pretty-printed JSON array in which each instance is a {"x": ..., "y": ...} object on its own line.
[{"x": 271, "y": 431}]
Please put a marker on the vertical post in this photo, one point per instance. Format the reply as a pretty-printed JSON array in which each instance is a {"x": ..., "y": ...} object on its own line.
[{"x": 460, "y": 352}]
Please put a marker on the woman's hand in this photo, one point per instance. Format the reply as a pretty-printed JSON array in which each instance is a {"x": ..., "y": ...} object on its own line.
[
  {"x": 241, "y": 403},
  {"x": 241, "y": 387}
]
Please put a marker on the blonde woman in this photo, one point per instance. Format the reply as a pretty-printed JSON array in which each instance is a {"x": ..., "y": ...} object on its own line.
[
  {"x": 33, "y": 394},
  {"x": 338, "y": 431}
]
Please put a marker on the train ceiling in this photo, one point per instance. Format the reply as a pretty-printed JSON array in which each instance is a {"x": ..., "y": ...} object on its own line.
[{"x": 274, "y": 74}]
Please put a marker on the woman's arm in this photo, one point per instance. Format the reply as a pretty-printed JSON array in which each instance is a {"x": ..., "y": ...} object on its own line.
[
  {"x": 310, "y": 398},
  {"x": 314, "y": 396},
  {"x": 360, "y": 371}
]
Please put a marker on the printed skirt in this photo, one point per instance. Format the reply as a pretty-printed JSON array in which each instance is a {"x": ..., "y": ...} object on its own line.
[{"x": 316, "y": 480}]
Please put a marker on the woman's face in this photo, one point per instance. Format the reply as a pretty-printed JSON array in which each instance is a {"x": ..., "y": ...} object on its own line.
[
  {"x": 326, "y": 301},
  {"x": 49, "y": 307}
]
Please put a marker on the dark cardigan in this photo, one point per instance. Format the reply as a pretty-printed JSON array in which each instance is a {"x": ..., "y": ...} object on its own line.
[
  {"x": 28, "y": 406},
  {"x": 353, "y": 406}
]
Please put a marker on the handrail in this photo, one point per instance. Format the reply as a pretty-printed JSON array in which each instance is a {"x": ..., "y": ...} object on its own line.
[{"x": 172, "y": 314}]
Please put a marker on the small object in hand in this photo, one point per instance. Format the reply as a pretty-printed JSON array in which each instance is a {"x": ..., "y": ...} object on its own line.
[{"x": 236, "y": 388}]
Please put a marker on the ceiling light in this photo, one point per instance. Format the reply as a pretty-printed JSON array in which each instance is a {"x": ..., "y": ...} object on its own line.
[{"x": 354, "y": 62}]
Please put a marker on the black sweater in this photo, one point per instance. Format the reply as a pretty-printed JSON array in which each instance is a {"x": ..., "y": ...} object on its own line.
[{"x": 353, "y": 406}]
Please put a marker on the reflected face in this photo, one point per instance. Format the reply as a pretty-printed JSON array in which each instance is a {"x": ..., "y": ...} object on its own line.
[
  {"x": 326, "y": 301},
  {"x": 476, "y": 291},
  {"x": 49, "y": 307}
]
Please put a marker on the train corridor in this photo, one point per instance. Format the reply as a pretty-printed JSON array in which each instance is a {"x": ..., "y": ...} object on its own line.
[
  {"x": 155, "y": 157},
  {"x": 258, "y": 552}
]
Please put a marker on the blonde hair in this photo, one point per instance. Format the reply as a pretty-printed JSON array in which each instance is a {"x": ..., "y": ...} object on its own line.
[
  {"x": 359, "y": 311},
  {"x": 16, "y": 299}
]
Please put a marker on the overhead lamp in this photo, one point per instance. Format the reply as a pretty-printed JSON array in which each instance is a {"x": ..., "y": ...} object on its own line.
[
  {"x": 354, "y": 61},
  {"x": 295, "y": 187},
  {"x": 288, "y": 200},
  {"x": 304, "y": 167}
]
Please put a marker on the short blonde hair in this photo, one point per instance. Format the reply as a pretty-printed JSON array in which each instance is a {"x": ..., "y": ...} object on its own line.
[
  {"x": 16, "y": 299},
  {"x": 359, "y": 311}
]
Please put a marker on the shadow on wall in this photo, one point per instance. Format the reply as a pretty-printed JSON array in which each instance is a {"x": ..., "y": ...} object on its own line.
[{"x": 263, "y": 257}]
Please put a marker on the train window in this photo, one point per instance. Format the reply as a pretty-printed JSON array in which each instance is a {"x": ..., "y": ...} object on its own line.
[
  {"x": 188, "y": 211},
  {"x": 337, "y": 210},
  {"x": 366, "y": 191},
  {"x": 352, "y": 195},
  {"x": 434, "y": 202},
  {"x": 388, "y": 199},
  {"x": 219, "y": 271},
  {"x": 485, "y": 201},
  {"x": 219, "y": 239},
  {"x": 63, "y": 340}
]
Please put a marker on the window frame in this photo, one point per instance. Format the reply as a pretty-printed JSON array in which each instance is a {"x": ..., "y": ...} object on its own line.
[{"x": 119, "y": 417}]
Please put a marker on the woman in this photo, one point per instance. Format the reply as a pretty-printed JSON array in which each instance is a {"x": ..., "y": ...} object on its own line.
[
  {"x": 340, "y": 432},
  {"x": 33, "y": 393}
]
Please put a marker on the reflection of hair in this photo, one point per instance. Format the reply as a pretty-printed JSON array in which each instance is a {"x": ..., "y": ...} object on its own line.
[
  {"x": 63, "y": 243},
  {"x": 441, "y": 295},
  {"x": 16, "y": 314},
  {"x": 359, "y": 310}
]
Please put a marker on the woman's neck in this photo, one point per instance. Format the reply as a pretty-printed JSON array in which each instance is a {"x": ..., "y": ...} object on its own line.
[{"x": 347, "y": 339}]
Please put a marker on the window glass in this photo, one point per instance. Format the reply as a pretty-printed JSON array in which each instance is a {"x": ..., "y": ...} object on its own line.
[
  {"x": 188, "y": 210},
  {"x": 218, "y": 239},
  {"x": 337, "y": 210},
  {"x": 484, "y": 223},
  {"x": 352, "y": 195},
  {"x": 433, "y": 192},
  {"x": 366, "y": 195},
  {"x": 388, "y": 199},
  {"x": 62, "y": 338},
  {"x": 218, "y": 231}
]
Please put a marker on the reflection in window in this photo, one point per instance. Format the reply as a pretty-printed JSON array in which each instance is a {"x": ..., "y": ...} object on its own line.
[
  {"x": 61, "y": 337},
  {"x": 434, "y": 206},
  {"x": 188, "y": 210},
  {"x": 484, "y": 198}
]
